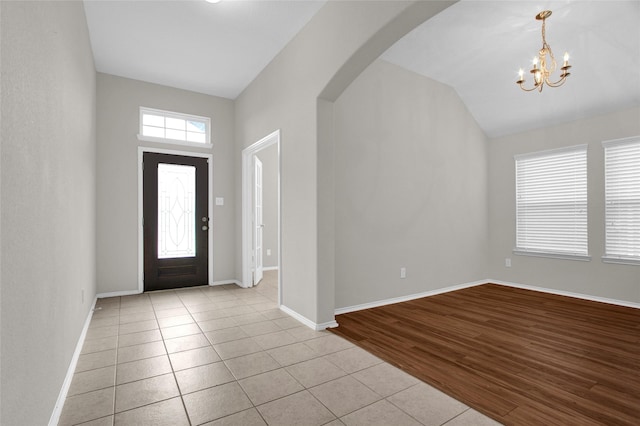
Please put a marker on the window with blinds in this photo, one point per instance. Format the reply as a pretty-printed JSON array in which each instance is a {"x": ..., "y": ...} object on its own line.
[
  {"x": 551, "y": 203},
  {"x": 622, "y": 200}
]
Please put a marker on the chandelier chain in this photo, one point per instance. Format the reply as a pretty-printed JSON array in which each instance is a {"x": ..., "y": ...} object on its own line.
[{"x": 546, "y": 47}]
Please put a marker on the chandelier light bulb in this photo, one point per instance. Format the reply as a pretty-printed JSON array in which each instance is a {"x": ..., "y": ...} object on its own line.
[{"x": 537, "y": 76}]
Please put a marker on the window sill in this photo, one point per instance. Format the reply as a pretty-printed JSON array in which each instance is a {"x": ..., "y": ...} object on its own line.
[
  {"x": 173, "y": 142},
  {"x": 620, "y": 260},
  {"x": 579, "y": 257}
]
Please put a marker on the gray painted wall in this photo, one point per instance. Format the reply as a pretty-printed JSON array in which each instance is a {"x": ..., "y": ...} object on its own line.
[
  {"x": 410, "y": 188},
  {"x": 595, "y": 278},
  {"x": 118, "y": 103},
  {"x": 48, "y": 201},
  {"x": 341, "y": 40},
  {"x": 269, "y": 158}
]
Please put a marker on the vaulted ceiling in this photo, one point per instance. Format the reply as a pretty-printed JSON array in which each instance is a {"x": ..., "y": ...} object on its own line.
[
  {"x": 474, "y": 46},
  {"x": 217, "y": 49}
]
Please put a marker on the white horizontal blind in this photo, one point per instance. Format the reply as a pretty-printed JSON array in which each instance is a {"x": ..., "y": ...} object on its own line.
[
  {"x": 622, "y": 199},
  {"x": 551, "y": 202}
]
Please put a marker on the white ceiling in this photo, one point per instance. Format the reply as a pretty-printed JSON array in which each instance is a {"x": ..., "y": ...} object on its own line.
[
  {"x": 217, "y": 49},
  {"x": 475, "y": 46}
]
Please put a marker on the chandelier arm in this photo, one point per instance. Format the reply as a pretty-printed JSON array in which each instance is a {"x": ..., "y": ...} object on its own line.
[
  {"x": 530, "y": 90},
  {"x": 557, "y": 83}
]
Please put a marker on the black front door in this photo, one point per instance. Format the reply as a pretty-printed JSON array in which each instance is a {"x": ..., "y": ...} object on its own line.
[{"x": 176, "y": 222}]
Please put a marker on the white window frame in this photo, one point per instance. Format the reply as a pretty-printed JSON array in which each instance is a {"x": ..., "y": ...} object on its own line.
[
  {"x": 178, "y": 115},
  {"x": 627, "y": 182},
  {"x": 559, "y": 160}
]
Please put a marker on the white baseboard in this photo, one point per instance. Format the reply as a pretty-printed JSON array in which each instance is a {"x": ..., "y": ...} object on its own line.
[
  {"x": 325, "y": 325},
  {"x": 270, "y": 268},
  {"x": 117, "y": 293},
  {"x": 399, "y": 299},
  {"x": 62, "y": 396},
  {"x": 299, "y": 317},
  {"x": 376, "y": 304},
  {"x": 567, "y": 293},
  {"x": 225, "y": 282},
  {"x": 132, "y": 292},
  {"x": 306, "y": 321}
]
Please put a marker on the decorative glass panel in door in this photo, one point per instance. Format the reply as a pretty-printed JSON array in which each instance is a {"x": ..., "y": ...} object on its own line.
[{"x": 176, "y": 211}]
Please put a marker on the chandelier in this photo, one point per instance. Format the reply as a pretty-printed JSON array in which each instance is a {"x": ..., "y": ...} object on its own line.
[{"x": 545, "y": 63}]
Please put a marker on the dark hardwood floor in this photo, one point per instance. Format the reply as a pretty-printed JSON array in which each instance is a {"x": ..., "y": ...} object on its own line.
[{"x": 518, "y": 356}]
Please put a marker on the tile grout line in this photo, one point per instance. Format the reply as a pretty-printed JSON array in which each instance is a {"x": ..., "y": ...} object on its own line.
[
  {"x": 115, "y": 373},
  {"x": 317, "y": 354},
  {"x": 237, "y": 381},
  {"x": 173, "y": 371},
  {"x": 456, "y": 416},
  {"x": 209, "y": 345}
]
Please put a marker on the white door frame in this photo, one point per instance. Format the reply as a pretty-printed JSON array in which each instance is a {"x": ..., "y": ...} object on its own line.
[
  {"x": 209, "y": 157},
  {"x": 257, "y": 220},
  {"x": 247, "y": 211}
]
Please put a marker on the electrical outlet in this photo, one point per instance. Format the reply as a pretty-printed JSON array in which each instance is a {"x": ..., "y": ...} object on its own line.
[
  {"x": 268, "y": 252},
  {"x": 507, "y": 262},
  {"x": 403, "y": 272}
]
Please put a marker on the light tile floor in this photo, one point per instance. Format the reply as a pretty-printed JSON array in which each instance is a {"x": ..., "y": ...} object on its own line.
[{"x": 228, "y": 356}]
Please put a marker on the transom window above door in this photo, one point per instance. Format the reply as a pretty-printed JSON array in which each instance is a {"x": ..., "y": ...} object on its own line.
[{"x": 174, "y": 127}]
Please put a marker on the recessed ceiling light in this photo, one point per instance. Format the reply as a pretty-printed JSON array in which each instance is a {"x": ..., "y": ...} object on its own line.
[{"x": 213, "y": 1}]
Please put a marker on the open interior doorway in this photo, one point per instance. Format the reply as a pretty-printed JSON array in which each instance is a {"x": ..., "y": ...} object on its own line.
[{"x": 261, "y": 245}]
